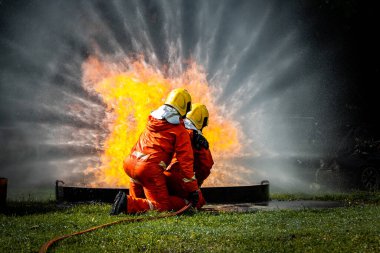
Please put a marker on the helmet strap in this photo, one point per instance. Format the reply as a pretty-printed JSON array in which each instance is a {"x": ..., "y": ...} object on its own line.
[
  {"x": 188, "y": 107},
  {"x": 205, "y": 120}
]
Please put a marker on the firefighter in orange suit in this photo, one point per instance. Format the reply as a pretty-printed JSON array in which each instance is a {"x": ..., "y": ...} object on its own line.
[
  {"x": 164, "y": 135},
  {"x": 195, "y": 121}
]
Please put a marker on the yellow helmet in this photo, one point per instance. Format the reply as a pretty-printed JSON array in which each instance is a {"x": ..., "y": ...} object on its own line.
[
  {"x": 180, "y": 99},
  {"x": 198, "y": 115}
]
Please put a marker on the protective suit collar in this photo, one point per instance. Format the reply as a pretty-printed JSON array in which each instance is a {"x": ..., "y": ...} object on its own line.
[
  {"x": 167, "y": 112},
  {"x": 190, "y": 125}
]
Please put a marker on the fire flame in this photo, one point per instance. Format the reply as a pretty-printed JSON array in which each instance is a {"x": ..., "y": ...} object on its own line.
[{"x": 131, "y": 90}]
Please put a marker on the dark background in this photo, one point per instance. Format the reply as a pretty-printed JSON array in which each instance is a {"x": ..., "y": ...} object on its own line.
[{"x": 351, "y": 27}]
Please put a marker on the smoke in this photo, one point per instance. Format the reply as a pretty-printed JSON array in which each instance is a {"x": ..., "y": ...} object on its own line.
[{"x": 272, "y": 79}]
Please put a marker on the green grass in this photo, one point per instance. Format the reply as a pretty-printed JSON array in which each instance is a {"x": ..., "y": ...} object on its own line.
[
  {"x": 27, "y": 225},
  {"x": 352, "y": 198}
]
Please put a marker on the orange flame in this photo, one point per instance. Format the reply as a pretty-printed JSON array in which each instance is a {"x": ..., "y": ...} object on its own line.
[{"x": 131, "y": 90}]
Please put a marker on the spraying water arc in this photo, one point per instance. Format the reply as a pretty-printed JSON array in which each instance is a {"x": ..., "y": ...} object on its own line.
[{"x": 81, "y": 76}]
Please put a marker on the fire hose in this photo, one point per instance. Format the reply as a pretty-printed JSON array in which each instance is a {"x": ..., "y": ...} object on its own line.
[{"x": 46, "y": 246}]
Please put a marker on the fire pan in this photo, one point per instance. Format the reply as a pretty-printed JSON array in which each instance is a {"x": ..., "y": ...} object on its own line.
[{"x": 221, "y": 195}]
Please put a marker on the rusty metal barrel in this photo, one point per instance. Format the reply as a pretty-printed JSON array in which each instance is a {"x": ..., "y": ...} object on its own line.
[{"x": 3, "y": 191}]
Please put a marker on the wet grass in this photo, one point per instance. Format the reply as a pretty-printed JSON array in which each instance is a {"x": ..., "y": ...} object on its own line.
[
  {"x": 349, "y": 198},
  {"x": 25, "y": 226}
]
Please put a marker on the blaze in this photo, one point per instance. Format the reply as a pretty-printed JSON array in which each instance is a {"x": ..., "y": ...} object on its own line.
[{"x": 131, "y": 90}]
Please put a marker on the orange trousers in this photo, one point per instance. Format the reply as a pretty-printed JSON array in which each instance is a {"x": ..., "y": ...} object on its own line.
[
  {"x": 176, "y": 186},
  {"x": 148, "y": 189}
]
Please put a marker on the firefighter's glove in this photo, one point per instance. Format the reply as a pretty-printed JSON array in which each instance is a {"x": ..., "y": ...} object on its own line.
[
  {"x": 199, "y": 141},
  {"x": 194, "y": 197}
]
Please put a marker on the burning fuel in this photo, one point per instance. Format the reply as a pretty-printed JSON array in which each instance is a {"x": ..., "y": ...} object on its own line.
[{"x": 131, "y": 90}]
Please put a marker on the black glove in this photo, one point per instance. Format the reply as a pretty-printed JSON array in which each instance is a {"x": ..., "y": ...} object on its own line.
[
  {"x": 199, "y": 140},
  {"x": 194, "y": 197}
]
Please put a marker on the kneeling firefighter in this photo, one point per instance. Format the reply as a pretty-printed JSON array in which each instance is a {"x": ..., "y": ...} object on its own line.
[
  {"x": 195, "y": 121},
  {"x": 164, "y": 135}
]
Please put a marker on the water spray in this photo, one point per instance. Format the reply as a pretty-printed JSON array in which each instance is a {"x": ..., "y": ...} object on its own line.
[{"x": 258, "y": 70}]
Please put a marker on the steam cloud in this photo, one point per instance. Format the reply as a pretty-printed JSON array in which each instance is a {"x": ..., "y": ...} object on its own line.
[{"x": 271, "y": 79}]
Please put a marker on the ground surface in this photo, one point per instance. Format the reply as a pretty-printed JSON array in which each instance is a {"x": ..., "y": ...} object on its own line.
[
  {"x": 274, "y": 205},
  {"x": 353, "y": 227}
]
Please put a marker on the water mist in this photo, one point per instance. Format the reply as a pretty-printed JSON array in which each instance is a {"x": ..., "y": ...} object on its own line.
[{"x": 265, "y": 73}]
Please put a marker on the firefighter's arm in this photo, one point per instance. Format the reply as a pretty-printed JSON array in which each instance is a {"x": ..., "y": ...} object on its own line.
[
  {"x": 184, "y": 155},
  {"x": 203, "y": 163},
  {"x": 199, "y": 141}
]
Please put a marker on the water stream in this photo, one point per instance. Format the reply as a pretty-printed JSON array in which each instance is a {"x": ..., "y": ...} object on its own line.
[{"x": 272, "y": 78}]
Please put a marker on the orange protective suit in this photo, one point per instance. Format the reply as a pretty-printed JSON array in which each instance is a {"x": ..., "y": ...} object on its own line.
[
  {"x": 203, "y": 163},
  {"x": 147, "y": 162}
]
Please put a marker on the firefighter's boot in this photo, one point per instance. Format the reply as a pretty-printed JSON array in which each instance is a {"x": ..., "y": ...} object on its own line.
[{"x": 119, "y": 204}]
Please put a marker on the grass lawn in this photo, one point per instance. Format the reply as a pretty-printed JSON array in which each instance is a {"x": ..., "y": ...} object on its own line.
[{"x": 355, "y": 228}]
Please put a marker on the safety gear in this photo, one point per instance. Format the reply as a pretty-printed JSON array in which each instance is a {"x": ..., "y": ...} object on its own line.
[
  {"x": 136, "y": 189},
  {"x": 199, "y": 141},
  {"x": 189, "y": 125},
  {"x": 201, "y": 201},
  {"x": 168, "y": 113},
  {"x": 198, "y": 115},
  {"x": 119, "y": 204},
  {"x": 147, "y": 162},
  {"x": 180, "y": 99},
  {"x": 203, "y": 163},
  {"x": 194, "y": 197}
]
